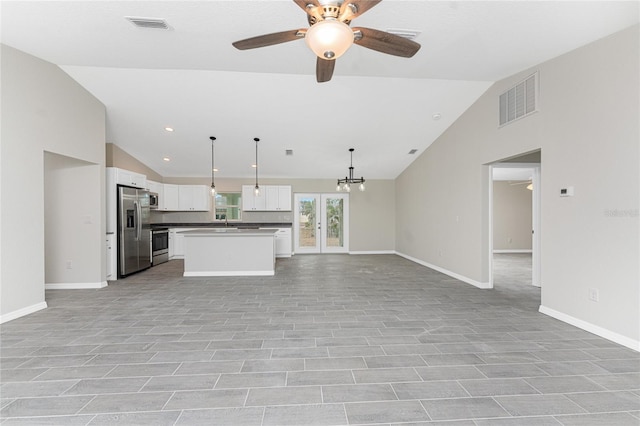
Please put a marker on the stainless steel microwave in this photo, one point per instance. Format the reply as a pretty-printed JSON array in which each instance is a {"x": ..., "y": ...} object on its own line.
[{"x": 153, "y": 201}]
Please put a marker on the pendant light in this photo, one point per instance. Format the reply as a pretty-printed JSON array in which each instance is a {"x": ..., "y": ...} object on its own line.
[
  {"x": 347, "y": 181},
  {"x": 213, "y": 169},
  {"x": 256, "y": 190}
]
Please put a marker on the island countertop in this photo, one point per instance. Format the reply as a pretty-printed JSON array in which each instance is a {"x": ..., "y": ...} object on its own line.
[{"x": 227, "y": 232}]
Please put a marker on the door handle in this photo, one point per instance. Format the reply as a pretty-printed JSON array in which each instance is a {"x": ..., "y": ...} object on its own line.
[{"x": 136, "y": 220}]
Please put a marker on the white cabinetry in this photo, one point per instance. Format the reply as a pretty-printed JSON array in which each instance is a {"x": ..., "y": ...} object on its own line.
[
  {"x": 171, "y": 197},
  {"x": 156, "y": 187},
  {"x": 271, "y": 198},
  {"x": 176, "y": 242},
  {"x": 128, "y": 178},
  {"x": 189, "y": 198},
  {"x": 251, "y": 201},
  {"x": 284, "y": 198},
  {"x": 283, "y": 242},
  {"x": 194, "y": 198}
]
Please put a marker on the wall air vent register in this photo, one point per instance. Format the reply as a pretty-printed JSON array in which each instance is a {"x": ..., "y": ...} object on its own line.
[
  {"x": 520, "y": 100},
  {"x": 153, "y": 23}
]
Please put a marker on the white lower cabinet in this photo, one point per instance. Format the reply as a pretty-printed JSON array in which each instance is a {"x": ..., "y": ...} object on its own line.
[
  {"x": 176, "y": 242},
  {"x": 283, "y": 242}
]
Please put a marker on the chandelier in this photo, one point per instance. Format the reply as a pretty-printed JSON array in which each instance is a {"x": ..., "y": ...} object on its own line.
[{"x": 345, "y": 184}]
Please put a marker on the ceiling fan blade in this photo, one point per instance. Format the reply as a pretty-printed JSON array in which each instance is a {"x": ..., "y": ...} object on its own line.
[
  {"x": 354, "y": 8},
  {"x": 385, "y": 42},
  {"x": 269, "y": 39},
  {"x": 303, "y": 3},
  {"x": 324, "y": 69}
]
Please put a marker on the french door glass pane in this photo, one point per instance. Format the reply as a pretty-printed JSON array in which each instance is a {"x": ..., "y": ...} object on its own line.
[
  {"x": 334, "y": 222},
  {"x": 307, "y": 224}
]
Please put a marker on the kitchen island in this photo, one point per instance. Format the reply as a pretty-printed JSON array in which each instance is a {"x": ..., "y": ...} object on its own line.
[{"x": 229, "y": 252}]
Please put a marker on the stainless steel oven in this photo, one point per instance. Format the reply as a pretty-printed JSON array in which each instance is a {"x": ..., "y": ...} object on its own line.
[{"x": 159, "y": 245}]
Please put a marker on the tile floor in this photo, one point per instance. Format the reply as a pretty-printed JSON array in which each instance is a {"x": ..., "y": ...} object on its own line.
[{"x": 330, "y": 340}]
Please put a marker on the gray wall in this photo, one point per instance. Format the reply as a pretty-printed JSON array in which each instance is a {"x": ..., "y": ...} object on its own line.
[
  {"x": 44, "y": 110},
  {"x": 512, "y": 212},
  {"x": 587, "y": 128}
]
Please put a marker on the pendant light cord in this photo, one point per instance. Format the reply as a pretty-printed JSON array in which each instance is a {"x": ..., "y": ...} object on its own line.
[
  {"x": 257, "y": 140},
  {"x": 213, "y": 184}
]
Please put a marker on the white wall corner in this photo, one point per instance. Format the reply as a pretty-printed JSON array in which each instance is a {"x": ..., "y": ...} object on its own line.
[
  {"x": 591, "y": 328},
  {"x": 22, "y": 312},
  {"x": 75, "y": 286},
  {"x": 482, "y": 285}
]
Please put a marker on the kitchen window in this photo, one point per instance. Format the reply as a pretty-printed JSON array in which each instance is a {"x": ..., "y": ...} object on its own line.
[{"x": 228, "y": 206}]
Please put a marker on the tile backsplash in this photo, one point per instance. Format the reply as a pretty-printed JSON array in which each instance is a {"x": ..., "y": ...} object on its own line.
[{"x": 203, "y": 217}]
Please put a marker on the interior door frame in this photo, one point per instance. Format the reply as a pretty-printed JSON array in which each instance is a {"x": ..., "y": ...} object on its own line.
[
  {"x": 536, "y": 267},
  {"x": 321, "y": 225}
]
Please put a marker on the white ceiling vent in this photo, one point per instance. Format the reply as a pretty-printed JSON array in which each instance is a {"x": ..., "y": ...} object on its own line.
[
  {"x": 520, "y": 100},
  {"x": 288, "y": 152},
  {"x": 413, "y": 151},
  {"x": 156, "y": 23},
  {"x": 408, "y": 34}
]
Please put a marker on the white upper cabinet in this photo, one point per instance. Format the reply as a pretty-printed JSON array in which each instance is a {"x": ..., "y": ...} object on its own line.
[
  {"x": 284, "y": 198},
  {"x": 271, "y": 198},
  {"x": 194, "y": 198},
  {"x": 171, "y": 198},
  {"x": 156, "y": 187},
  {"x": 251, "y": 201},
  {"x": 128, "y": 178}
]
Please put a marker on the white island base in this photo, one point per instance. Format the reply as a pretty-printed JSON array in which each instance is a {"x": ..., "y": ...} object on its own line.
[{"x": 229, "y": 252}]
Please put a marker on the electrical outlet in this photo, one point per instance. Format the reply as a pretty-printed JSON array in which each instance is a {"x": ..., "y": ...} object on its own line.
[
  {"x": 69, "y": 264},
  {"x": 509, "y": 240},
  {"x": 440, "y": 252},
  {"x": 594, "y": 295}
]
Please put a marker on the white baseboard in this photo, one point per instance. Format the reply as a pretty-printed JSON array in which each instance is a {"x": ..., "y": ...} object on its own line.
[
  {"x": 447, "y": 272},
  {"x": 74, "y": 286},
  {"x": 228, "y": 273},
  {"x": 591, "y": 328},
  {"x": 513, "y": 251},
  {"x": 22, "y": 312},
  {"x": 373, "y": 252}
]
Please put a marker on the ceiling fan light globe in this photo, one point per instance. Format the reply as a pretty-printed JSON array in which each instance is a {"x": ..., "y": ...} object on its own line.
[{"x": 329, "y": 39}]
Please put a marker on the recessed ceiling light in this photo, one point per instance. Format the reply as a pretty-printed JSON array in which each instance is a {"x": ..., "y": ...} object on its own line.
[
  {"x": 436, "y": 116},
  {"x": 215, "y": 170},
  {"x": 167, "y": 159},
  {"x": 169, "y": 129},
  {"x": 254, "y": 166}
]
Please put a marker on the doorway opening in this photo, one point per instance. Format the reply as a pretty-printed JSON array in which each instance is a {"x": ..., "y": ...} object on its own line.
[
  {"x": 514, "y": 200},
  {"x": 321, "y": 223}
]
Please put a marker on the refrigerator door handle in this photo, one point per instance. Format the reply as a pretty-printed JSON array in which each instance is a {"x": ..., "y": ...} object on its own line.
[{"x": 136, "y": 220}]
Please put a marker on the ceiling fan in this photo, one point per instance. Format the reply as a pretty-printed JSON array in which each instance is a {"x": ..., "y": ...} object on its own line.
[{"x": 329, "y": 34}]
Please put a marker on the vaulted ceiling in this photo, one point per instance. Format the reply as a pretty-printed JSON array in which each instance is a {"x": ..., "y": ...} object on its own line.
[{"x": 190, "y": 77}]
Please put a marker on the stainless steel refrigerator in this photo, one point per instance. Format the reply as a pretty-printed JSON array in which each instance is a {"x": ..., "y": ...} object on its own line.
[{"x": 134, "y": 230}]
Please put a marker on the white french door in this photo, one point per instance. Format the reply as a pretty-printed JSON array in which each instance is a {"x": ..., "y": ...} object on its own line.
[{"x": 321, "y": 223}]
